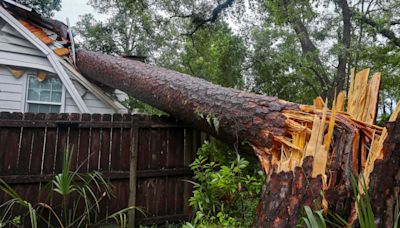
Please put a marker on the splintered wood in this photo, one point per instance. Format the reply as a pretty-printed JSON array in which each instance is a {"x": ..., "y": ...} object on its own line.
[{"x": 310, "y": 131}]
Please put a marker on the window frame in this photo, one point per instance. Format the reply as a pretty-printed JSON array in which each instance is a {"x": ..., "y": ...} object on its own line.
[{"x": 27, "y": 102}]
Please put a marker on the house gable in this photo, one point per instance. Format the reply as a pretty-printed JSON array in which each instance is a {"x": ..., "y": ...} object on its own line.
[
  {"x": 52, "y": 57},
  {"x": 17, "y": 51},
  {"x": 19, "y": 47}
]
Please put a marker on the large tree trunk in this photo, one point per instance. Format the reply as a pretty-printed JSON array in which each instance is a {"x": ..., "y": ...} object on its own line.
[
  {"x": 266, "y": 123},
  {"x": 225, "y": 113},
  {"x": 345, "y": 40},
  {"x": 385, "y": 179}
]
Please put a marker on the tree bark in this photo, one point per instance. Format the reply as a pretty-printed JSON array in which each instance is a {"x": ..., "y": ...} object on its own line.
[
  {"x": 284, "y": 196},
  {"x": 226, "y": 113},
  {"x": 345, "y": 41},
  {"x": 236, "y": 116},
  {"x": 385, "y": 179}
]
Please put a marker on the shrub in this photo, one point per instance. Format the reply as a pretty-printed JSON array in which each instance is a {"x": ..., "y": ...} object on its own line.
[{"x": 226, "y": 188}]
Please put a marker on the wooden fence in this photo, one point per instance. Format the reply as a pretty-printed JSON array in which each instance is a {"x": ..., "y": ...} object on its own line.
[{"x": 145, "y": 158}]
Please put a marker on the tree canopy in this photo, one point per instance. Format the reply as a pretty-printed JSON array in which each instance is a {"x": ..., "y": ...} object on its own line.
[
  {"x": 44, "y": 7},
  {"x": 295, "y": 50}
]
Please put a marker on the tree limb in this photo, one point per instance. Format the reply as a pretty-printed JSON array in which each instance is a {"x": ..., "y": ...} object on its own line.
[
  {"x": 389, "y": 34},
  {"x": 199, "y": 22},
  {"x": 307, "y": 46}
]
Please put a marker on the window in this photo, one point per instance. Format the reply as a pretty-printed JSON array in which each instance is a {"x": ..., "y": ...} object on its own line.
[{"x": 44, "y": 96}]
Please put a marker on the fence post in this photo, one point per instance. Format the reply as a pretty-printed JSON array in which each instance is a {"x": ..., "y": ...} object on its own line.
[{"x": 133, "y": 177}]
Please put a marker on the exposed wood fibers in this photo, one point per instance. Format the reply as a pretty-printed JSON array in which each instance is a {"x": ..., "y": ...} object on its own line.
[{"x": 310, "y": 131}]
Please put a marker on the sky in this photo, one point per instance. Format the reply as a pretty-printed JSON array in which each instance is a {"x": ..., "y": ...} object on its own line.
[{"x": 73, "y": 8}]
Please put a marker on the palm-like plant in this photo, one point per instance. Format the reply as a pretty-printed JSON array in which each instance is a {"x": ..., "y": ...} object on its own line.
[
  {"x": 15, "y": 200},
  {"x": 363, "y": 203},
  {"x": 77, "y": 191},
  {"x": 396, "y": 214},
  {"x": 89, "y": 188},
  {"x": 312, "y": 219}
]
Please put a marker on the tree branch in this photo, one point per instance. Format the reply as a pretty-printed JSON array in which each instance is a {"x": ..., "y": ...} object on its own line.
[
  {"x": 308, "y": 47},
  {"x": 389, "y": 34},
  {"x": 395, "y": 22},
  {"x": 199, "y": 22}
]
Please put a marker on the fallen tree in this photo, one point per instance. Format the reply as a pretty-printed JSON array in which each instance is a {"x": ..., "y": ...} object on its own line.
[{"x": 309, "y": 153}]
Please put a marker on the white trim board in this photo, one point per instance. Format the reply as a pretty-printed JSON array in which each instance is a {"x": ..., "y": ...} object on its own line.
[
  {"x": 26, "y": 65},
  {"x": 51, "y": 56}
]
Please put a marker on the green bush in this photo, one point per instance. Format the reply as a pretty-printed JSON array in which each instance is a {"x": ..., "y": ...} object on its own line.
[{"x": 226, "y": 188}]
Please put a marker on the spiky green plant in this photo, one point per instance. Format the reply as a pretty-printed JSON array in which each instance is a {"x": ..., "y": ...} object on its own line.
[
  {"x": 62, "y": 183},
  {"x": 312, "y": 219},
  {"x": 396, "y": 214},
  {"x": 336, "y": 220},
  {"x": 15, "y": 200},
  {"x": 6, "y": 217},
  {"x": 363, "y": 203},
  {"x": 85, "y": 189}
]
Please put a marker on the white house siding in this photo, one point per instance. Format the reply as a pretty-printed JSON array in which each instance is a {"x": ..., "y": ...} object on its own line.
[
  {"x": 10, "y": 35},
  {"x": 121, "y": 95},
  {"x": 95, "y": 105},
  {"x": 12, "y": 95},
  {"x": 15, "y": 50},
  {"x": 92, "y": 102},
  {"x": 70, "y": 106},
  {"x": 23, "y": 60},
  {"x": 12, "y": 91}
]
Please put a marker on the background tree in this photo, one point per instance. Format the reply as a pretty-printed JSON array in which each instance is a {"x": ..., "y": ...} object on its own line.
[
  {"x": 155, "y": 30},
  {"x": 318, "y": 42},
  {"x": 127, "y": 31},
  {"x": 292, "y": 49},
  {"x": 45, "y": 7},
  {"x": 213, "y": 53},
  {"x": 377, "y": 46}
]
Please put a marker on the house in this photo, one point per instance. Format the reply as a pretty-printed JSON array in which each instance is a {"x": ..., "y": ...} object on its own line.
[{"x": 37, "y": 72}]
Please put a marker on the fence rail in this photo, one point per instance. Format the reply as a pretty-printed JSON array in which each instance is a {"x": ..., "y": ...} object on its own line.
[{"x": 145, "y": 158}]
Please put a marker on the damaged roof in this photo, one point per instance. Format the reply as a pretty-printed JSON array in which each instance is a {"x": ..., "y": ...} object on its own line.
[
  {"x": 53, "y": 33},
  {"x": 55, "y": 40}
]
